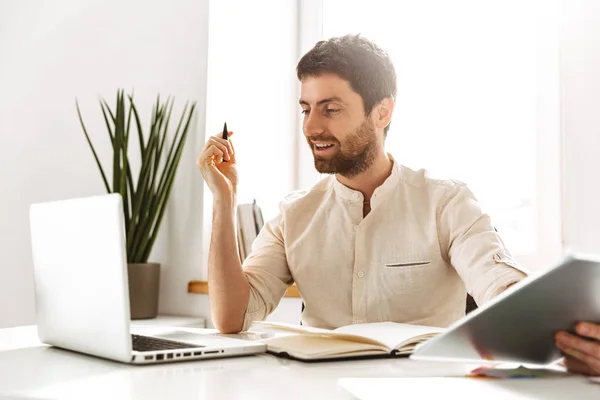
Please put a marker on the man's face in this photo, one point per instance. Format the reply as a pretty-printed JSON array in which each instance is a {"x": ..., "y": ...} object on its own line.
[{"x": 342, "y": 139}]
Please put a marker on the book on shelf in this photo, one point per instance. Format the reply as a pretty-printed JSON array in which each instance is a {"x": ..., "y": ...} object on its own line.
[
  {"x": 385, "y": 339},
  {"x": 249, "y": 223}
]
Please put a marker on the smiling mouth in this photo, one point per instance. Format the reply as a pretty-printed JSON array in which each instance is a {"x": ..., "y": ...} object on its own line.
[{"x": 323, "y": 146}]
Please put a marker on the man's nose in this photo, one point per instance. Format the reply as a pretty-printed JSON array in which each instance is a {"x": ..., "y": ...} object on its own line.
[{"x": 313, "y": 125}]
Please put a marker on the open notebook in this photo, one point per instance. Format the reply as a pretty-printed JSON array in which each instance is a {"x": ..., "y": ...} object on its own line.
[{"x": 352, "y": 341}]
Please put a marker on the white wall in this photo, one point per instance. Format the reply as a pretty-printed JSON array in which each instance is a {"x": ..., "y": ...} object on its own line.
[
  {"x": 51, "y": 52},
  {"x": 580, "y": 114}
]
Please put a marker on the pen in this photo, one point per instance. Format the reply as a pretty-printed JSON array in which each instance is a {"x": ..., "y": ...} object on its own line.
[{"x": 224, "y": 136}]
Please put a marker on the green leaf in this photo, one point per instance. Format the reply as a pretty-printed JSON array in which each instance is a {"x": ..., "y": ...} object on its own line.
[
  {"x": 166, "y": 126},
  {"x": 163, "y": 133},
  {"x": 127, "y": 167},
  {"x": 108, "y": 127},
  {"x": 144, "y": 190},
  {"x": 112, "y": 116},
  {"x": 138, "y": 124},
  {"x": 140, "y": 189},
  {"x": 92, "y": 147},
  {"x": 165, "y": 190},
  {"x": 123, "y": 149},
  {"x": 125, "y": 172},
  {"x": 175, "y": 138},
  {"x": 118, "y": 143},
  {"x": 159, "y": 139}
]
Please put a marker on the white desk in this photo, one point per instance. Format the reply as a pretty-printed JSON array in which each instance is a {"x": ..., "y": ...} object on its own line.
[{"x": 29, "y": 369}]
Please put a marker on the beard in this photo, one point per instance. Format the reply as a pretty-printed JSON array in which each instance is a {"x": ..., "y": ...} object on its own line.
[{"x": 353, "y": 156}]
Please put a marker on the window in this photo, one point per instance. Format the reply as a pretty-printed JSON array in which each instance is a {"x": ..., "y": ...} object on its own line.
[
  {"x": 252, "y": 86},
  {"x": 477, "y": 101}
]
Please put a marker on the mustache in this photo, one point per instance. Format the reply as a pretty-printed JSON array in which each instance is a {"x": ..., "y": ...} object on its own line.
[{"x": 322, "y": 138}]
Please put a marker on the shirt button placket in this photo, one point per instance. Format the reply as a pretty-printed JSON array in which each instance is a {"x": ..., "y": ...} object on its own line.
[{"x": 359, "y": 284}]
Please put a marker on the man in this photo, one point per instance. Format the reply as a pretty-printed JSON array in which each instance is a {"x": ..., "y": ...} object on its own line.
[{"x": 374, "y": 241}]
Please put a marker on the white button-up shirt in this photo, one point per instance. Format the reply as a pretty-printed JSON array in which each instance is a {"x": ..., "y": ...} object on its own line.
[{"x": 413, "y": 258}]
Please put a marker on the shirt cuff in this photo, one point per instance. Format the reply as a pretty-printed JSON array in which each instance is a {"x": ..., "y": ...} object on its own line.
[
  {"x": 502, "y": 281},
  {"x": 250, "y": 317}
]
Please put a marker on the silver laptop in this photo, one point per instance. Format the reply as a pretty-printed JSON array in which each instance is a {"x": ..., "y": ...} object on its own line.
[
  {"x": 81, "y": 288},
  {"x": 519, "y": 324}
]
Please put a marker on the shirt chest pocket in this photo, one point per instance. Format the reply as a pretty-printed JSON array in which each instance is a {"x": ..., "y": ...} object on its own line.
[
  {"x": 409, "y": 277},
  {"x": 406, "y": 264}
]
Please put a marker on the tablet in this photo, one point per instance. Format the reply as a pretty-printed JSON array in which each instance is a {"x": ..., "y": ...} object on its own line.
[{"x": 519, "y": 324}]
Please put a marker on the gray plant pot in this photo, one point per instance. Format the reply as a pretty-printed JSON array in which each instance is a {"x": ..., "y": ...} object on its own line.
[{"x": 144, "y": 283}]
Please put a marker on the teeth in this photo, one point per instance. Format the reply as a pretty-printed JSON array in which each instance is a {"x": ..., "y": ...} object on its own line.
[{"x": 322, "y": 146}]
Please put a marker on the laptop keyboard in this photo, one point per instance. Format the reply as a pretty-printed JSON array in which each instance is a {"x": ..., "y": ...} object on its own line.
[{"x": 148, "y": 343}]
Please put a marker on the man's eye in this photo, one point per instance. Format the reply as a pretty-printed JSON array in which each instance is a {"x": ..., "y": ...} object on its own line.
[
  {"x": 305, "y": 112},
  {"x": 332, "y": 111}
]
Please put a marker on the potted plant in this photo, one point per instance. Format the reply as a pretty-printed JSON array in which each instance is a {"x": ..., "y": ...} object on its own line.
[{"x": 145, "y": 198}]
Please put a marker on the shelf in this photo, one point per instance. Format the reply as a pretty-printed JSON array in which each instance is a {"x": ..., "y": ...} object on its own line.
[{"x": 201, "y": 287}]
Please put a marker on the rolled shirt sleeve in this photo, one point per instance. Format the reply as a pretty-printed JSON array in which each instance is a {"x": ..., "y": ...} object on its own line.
[
  {"x": 474, "y": 247},
  {"x": 267, "y": 271}
]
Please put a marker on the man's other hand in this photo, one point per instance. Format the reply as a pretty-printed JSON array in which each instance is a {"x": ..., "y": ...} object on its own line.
[{"x": 582, "y": 353}]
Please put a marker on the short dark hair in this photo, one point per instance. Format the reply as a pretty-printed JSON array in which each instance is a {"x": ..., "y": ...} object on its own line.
[{"x": 366, "y": 66}]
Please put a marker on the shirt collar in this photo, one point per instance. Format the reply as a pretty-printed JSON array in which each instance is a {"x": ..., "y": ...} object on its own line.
[{"x": 356, "y": 196}]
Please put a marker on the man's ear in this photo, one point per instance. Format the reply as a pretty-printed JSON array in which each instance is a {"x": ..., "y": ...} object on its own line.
[{"x": 383, "y": 112}]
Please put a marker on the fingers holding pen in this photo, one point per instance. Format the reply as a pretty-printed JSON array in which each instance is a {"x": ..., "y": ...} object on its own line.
[
  {"x": 224, "y": 145},
  {"x": 224, "y": 149}
]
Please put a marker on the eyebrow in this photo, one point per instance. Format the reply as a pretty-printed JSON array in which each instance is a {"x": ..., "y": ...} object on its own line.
[{"x": 327, "y": 100}]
